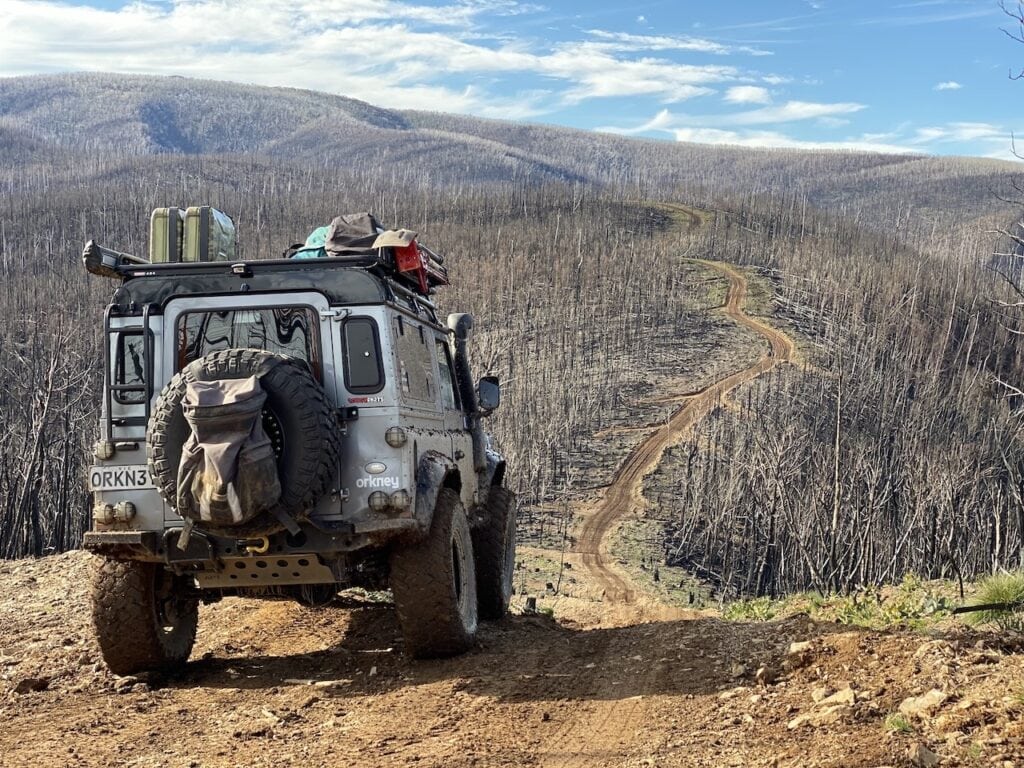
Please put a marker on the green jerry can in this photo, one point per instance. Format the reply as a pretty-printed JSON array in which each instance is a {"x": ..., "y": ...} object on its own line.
[
  {"x": 166, "y": 227},
  {"x": 209, "y": 235}
]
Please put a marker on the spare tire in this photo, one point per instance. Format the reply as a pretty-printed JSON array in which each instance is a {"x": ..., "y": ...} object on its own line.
[{"x": 299, "y": 419}]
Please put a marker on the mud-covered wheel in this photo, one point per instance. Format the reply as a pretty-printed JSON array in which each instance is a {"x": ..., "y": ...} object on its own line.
[
  {"x": 494, "y": 545},
  {"x": 434, "y": 584},
  {"x": 298, "y": 418},
  {"x": 145, "y": 617}
]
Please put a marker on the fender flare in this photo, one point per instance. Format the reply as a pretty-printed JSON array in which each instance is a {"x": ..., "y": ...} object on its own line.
[
  {"x": 434, "y": 472},
  {"x": 494, "y": 472}
]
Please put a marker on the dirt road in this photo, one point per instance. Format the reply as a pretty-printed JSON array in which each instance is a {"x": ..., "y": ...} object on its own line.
[
  {"x": 590, "y": 740},
  {"x": 624, "y": 495},
  {"x": 617, "y": 682}
]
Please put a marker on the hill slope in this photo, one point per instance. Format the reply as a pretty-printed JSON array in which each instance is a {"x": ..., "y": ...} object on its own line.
[{"x": 145, "y": 115}]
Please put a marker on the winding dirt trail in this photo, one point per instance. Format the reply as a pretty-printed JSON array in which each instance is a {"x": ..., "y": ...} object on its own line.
[
  {"x": 595, "y": 739},
  {"x": 624, "y": 496}
]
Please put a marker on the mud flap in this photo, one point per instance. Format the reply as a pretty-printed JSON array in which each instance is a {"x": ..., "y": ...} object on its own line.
[
  {"x": 433, "y": 468},
  {"x": 187, "y": 547}
]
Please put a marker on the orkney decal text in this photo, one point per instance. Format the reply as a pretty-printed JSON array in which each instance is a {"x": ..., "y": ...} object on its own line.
[{"x": 377, "y": 482}]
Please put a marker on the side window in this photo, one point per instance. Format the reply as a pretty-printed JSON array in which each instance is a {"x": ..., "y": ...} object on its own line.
[
  {"x": 363, "y": 371},
  {"x": 416, "y": 377},
  {"x": 129, "y": 367},
  {"x": 444, "y": 365}
]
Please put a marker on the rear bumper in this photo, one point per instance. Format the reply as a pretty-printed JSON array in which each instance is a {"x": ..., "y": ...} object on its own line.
[
  {"x": 204, "y": 551},
  {"x": 132, "y": 545}
]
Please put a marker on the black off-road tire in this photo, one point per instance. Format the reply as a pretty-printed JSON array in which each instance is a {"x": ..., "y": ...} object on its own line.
[
  {"x": 434, "y": 584},
  {"x": 494, "y": 545},
  {"x": 143, "y": 620},
  {"x": 300, "y": 406}
]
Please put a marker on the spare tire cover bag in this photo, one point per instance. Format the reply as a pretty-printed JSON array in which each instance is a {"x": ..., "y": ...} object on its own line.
[
  {"x": 228, "y": 470},
  {"x": 308, "y": 439}
]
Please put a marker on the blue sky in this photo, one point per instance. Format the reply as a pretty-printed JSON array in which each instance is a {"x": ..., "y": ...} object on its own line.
[{"x": 909, "y": 76}]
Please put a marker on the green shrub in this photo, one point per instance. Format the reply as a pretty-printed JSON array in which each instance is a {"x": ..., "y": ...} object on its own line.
[
  {"x": 1005, "y": 588},
  {"x": 758, "y": 609},
  {"x": 898, "y": 724}
]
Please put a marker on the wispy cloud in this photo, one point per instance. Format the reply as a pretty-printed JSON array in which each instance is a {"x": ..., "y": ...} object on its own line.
[
  {"x": 748, "y": 94},
  {"x": 789, "y": 112},
  {"x": 744, "y": 130},
  {"x": 507, "y": 59},
  {"x": 777, "y": 140},
  {"x": 778, "y": 24},
  {"x": 623, "y": 42},
  {"x": 594, "y": 72},
  {"x": 960, "y": 132},
  {"x": 963, "y": 13}
]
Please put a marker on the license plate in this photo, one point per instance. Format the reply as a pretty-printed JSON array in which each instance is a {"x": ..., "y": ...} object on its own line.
[{"x": 127, "y": 478}]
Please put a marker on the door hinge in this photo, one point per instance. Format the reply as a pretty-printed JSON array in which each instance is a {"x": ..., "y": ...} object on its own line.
[{"x": 335, "y": 314}]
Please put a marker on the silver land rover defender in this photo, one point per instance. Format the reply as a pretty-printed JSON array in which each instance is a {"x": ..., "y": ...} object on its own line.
[{"x": 289, "y": 428}]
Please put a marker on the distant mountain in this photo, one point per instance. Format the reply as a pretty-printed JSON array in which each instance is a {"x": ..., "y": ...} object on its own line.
[
  {"x": 173, "y": 114},
  {"x": 140, "y": 115},
  {"x": 151, "y": 115}
]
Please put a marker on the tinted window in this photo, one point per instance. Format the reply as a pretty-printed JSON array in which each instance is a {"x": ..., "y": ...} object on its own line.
[
  {"x": 290, "y": 331},
  {"x": 129, "y": 367},
  {"x": 363, "y": 371}
]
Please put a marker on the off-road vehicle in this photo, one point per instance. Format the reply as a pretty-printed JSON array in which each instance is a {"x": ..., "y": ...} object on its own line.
[{"x": 288, "y": 428}]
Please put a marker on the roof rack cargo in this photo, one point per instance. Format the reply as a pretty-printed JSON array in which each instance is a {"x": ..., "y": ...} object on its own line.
[{"x": 353, "y": 240}]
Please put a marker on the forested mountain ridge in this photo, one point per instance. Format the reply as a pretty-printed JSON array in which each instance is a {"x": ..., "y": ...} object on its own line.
[{"x": 141, "y": 115}]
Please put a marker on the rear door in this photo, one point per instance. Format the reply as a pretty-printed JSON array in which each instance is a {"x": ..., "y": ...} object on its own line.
[{"x": 298, "y": 325}]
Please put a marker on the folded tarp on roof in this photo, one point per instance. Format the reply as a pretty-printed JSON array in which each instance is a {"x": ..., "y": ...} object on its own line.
[{"x": 352, "y": 233}]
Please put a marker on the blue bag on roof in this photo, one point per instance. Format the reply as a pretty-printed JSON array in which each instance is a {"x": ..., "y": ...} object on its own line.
[{"x": 313, "y": 248}]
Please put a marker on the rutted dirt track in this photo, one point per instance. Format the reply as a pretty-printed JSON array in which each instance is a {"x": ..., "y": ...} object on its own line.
[
  {"x": 593, "y": 740},
  {"x": 624, "y": 495},
  {"x": 617, "y": 682}
]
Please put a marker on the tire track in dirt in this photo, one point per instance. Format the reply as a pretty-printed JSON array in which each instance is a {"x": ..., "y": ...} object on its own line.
[
  {"x": 598, "y": 737},
  {"x": 625, "y": 494}
]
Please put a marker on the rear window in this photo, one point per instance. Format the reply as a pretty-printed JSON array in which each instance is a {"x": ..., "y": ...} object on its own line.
[
  {"x": 291, "y": 331},
  {"x": 364, "y": 373}
]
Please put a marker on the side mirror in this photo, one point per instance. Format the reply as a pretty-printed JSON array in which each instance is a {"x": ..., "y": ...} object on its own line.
[{"x": 488, "y": 395}]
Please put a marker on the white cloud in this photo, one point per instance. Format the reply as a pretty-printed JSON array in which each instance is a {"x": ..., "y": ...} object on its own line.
[
  {"x": 962, "y": 132},
  {"x": 948, "y": 85},
  {"x": 832, "y": 122},
  {"x": 662, "y": 121},
  {"x": 748, "y": 94},
  {"x": 774, "y": 139},
  {"x": 939, "y": 17},
  {"x": 789, "y": 112},
  {"x": 624, "y": 42},
  {"x": 993, "y": 141},
  {"x": 596, "y": 73},
  {"x": 395, "y": 54},
  {"x": 444, "y": 55}
]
